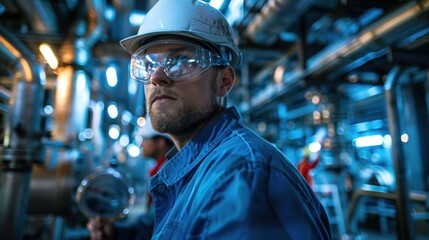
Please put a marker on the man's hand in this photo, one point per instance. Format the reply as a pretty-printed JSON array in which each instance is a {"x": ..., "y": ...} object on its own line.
[{"x": 100, "y": 229}]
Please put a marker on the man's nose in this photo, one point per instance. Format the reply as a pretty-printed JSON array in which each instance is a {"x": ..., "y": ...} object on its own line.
[{"x": 159, "y": 77}]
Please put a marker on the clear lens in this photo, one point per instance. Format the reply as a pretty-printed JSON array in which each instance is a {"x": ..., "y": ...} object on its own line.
[{"x": 179, "y": 62}]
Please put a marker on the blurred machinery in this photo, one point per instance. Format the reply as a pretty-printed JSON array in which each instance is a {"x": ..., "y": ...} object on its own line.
[{"x": 354, "y": 72}]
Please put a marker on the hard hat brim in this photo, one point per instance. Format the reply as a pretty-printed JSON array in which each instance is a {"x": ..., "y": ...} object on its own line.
[{"x": 131, "y": 44}]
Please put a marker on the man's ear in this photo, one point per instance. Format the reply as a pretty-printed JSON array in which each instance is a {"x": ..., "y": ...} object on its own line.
[{"x": 227, "y": 81}]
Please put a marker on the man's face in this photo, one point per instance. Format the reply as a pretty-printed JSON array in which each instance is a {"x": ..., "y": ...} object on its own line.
[{"x": 177, "y": 107}]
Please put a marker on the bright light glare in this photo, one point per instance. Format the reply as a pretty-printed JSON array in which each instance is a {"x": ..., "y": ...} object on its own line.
[
  {"x": 368, "y": 141},
  {"x": 124, "y": 140},
  {"x": 132, "y": 87},
  {"x": 111, "y": 76},
  {"x": 88, "y": 133},
  {"x": 315, "y": 100},
  {"x": 48, "y": 109},
  {"x": 315, "y": 147},
  {"x": 136, "y": 18},
  {"x": 405, "y": 138},
  {"x": 387, "y": 141},
  {"x": 141, "y": 121},
  {"x": 278, "y": 74},
  {"x": 126, "y": 118},
  {"x": 133, "y": 150},
  {"x": 110, "y": 13},
  {"x": 216, "y": 3},
  {"x": 49, "y": 55},
  {"x": 112, "y": 110},
  {"x": 114, "y": 132}
]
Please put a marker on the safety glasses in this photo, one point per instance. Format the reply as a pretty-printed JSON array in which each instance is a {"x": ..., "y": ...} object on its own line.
[{"x": 179, "y": 60}]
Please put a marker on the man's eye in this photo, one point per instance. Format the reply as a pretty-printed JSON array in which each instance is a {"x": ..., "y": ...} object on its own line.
[
  {"x": 149, "y": 65},
  {"x": 183, "y": 59}
]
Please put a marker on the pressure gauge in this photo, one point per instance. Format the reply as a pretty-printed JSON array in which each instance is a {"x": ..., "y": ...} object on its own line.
[{"x": 105, "y": 193}]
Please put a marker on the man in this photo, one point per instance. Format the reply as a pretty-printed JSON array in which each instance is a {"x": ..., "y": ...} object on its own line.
[
  {"x": 154, "y": 146},
  {"x": 222, "y": 181}
]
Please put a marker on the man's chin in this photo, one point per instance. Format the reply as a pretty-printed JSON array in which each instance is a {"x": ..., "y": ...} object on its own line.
[{"x": 160, "y": 120}]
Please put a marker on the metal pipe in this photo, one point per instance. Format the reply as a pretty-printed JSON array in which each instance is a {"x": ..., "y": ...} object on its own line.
[
  {"x": 58, "y": 182},
  {"x": 78, "y": 50},
  {"x": 40, "y": 15},
  {"x": 72, "y": 96},
  {"x": 21, "y": 147},
  {"x": 95, "y": 22},
  {"x": 4, "y": 93},
  {"x": 391, "y": 87},
  {"x": 13, "y": 202},
  {"x": 378, "y": 36},
  {"x": 275, "y": 16}
]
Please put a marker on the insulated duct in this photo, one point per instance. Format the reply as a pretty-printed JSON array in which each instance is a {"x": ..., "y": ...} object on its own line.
[
  {"x": 383, "y": 33},
  {"x": 348, "y": 53},
  {"x": 21, "y": 144},
  {"x": 275, "y": 16},
  {"x": 40, "y": 15}
]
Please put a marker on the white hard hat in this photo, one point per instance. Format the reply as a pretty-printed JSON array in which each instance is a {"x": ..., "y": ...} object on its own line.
[{"x": 190, "y": 18}]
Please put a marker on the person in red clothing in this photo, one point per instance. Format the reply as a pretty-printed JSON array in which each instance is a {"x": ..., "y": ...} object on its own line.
[{"x": 305, "y": 165}]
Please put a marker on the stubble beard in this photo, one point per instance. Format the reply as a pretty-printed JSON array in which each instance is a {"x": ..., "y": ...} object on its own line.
[{"x": 186, "y": 119}]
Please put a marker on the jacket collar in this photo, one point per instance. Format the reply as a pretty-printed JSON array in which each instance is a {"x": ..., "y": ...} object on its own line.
[{"x": 182, "y": 162}]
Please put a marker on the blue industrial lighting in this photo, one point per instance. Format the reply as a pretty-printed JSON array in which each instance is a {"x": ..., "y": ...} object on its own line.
[
  {"x": 387, "y": 141},
  {"x": 112, "y": 76},
  {"x": 114, "y": 131},
  {"x": 314, "y": 147},
  {"x": 368, "y": 141},
  {"x": 235, "y": 11},
  {"x": 48, "y": 110},
  {"x": 88, "y": 133},
  {"x": 112, "y": 110},
  {"x": 132, "y": 87},
  {"x": 126, "y": 117},
  {"x": 110, "y": 14},
  {"x": 288, "y": 36},
  {"x": 216, "y": 3},
  {"x": 124, "y": 140},
  {"x": 133, "y": 150},
  {"x": 136, "y": 18}
]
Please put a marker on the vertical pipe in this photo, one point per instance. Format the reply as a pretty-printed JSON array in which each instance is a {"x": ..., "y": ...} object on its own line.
[
  {"x": 403, "y": 213},
  {"x": 72, "y": 96},
  {"x": 14, "y": 192},
  {"x": 21, "y": 145}
]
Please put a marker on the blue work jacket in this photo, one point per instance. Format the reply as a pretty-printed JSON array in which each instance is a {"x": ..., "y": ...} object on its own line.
[{"x": 230, "y": 183}]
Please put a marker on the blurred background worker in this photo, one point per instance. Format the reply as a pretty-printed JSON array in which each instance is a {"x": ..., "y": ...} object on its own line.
[
  {"x": 306, "y": 164},
  {"x": 154, "y": 146}
]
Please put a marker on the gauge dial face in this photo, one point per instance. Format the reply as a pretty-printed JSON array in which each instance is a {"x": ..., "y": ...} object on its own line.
[{"x": 106, "y": 194}]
